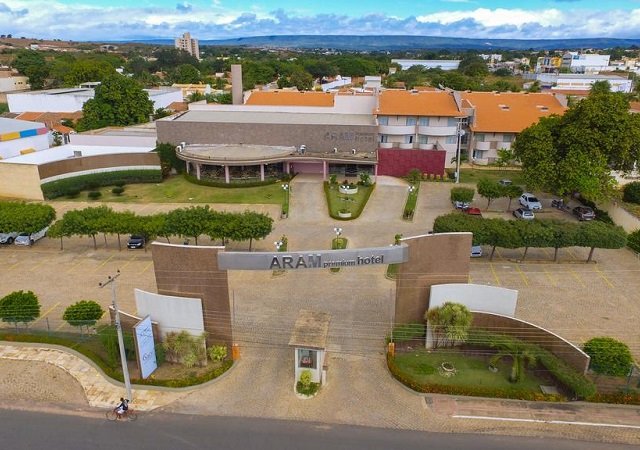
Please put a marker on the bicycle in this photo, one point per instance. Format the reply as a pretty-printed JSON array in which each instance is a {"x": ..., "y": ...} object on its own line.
[{"x": 129, "y": 415}]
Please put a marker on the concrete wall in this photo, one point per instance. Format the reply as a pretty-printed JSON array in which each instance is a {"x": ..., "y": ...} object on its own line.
[
  {"x": 476, "y": 297},
  {"x": 91, "y": 164},
  {"x": 46, "y": 103},
  {"x": 20, "y": 181},
  {"x": 173, "y": 314},
  {"x": 433, "y": 259},
  {"x": 192, "y": 271},
  {"x": 162, "y": 98},
  {"x": 112, "y": 141},
  {"x": 621, "y": 217},
  {"x": 322, "y": 138},
  {"x": 398, "y": 163},
  {"x": 9, "y": 149},
  {"x": 528, "y": 332}
]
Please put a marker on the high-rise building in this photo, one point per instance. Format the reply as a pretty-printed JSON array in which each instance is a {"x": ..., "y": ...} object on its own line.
[{"x": 188, "y": 45}]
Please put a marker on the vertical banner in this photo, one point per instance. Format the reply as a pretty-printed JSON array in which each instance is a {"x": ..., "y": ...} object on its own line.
[{"x": 145, "y": 347}]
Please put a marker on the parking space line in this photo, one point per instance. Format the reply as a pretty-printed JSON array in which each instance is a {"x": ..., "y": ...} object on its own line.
[
  {"x": 575, "y": 275},
  {"x": 495, "y": 274},
  {"x": 34, "y": 267},
  {"x": 147, "y": 267},
  {"x": 11, "y": 267},
  {"x": 74, "y": 266},
  {"x": 60, "y": 326},
  {"x": 498, "y": 253},
  {"x": 522, "y": 275},
  {"x": 604, "y": 277},
  {"x": 573, "y": 255},
  {"x": 549, "y": 277},
  {"x": 127, "y": 263},
  {"x": 104, "y": 262},
  {"x": 43, "y": 315}
]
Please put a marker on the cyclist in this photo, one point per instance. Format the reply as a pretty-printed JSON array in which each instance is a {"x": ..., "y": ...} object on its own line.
[{"x": 122, "y": 407}]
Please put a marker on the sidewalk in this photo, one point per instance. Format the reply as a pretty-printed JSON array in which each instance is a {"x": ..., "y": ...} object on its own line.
[{"x": 100, "y": 391}]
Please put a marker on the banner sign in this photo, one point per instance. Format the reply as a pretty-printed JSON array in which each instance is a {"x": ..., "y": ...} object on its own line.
[
  {"x": 145, "y": 347},
  {"x": 314, "y": 259}
]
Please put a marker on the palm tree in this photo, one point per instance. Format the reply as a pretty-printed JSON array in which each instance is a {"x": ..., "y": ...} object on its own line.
[{"x": 519, "y": 353}]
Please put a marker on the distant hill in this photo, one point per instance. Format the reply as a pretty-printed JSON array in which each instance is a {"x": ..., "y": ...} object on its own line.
[{"x": 382, "y": 43}]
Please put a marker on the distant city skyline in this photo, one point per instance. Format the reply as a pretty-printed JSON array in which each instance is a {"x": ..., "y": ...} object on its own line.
[{"x": 87, "y": 20}]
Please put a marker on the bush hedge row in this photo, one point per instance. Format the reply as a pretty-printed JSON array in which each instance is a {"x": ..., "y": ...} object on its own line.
[
  {"x": 633, "y": 241},
  {"x": 71, "y": 186},
  {"x": 232, "y": 184},
  {"x": 631, "y": 192}
]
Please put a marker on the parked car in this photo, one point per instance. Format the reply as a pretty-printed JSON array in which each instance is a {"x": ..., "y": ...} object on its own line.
[
  {"x": 476, "y": 251},
  {"x": 461, "y": 205},
  {"x": 473, "y": 212},
  {"x": 30, "y": 238},
  {"x": 530, "y": 201},
  {"x": 584, "y": 213},
  {"x": 524, "y": 214},
  {"x": 505, "y": 182},
  {"x": 135, "y": 241},
  {"x": 8, "y": 238}
]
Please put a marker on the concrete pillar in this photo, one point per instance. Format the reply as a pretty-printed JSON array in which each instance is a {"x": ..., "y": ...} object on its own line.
[
  {"x": 324, "y": 171},
  {"x": 236, "y": 84},
  {"x": 261, "y": 172},
  {"x": 287, "y": 167},
  {"x": 375, "y": 173},
  {"x": 227, "y": 178},
  {"x": 188, "y": 165},
  {"x": 198, "y": 171}
]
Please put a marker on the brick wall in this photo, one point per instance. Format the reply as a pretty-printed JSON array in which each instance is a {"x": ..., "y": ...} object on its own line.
[{"x": 398, "y": 163}]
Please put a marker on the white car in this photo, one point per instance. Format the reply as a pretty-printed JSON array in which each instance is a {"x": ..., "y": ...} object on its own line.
[
  {"x": 30, "y": 238},
  {"x": 530, "y": 201},
  {"x": 476, "y": 251},
  {"x": 8, "y": 238},
  {"x": 524, "y": 214}
]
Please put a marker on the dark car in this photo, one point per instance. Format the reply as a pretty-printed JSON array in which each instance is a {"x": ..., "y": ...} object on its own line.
[
  {"x": 584, "y": 213},
  {"x": 136, "y": 241}
]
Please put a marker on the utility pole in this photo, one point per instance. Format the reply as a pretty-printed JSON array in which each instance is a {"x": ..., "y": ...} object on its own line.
[{"x": 123, "y": 356}]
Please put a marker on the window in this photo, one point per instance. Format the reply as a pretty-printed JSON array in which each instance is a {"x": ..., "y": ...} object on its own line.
[
  {"x": 480, "y": 137},
  {"x": 384, "y": 138},
  {"x": 307, "y": 359},
  {"x": 453, "y": 122},
  {"x": 383, "y": 120},
  {"x": 411, "y": 121},
  {"x": 408, "y": 139},
  {"x": 423, "y": 139},
  {"x": 424, "y": 121},
  {"x": 507, "y": 138},
  {"x": 478, "y": 154},
  {"x": 451, "y": 140}
]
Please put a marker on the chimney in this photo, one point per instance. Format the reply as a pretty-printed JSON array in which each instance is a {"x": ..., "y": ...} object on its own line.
[{"x": 236, "y": 84}]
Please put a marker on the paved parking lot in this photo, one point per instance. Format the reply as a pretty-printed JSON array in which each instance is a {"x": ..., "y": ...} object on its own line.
[{"x": 573, "y": 299}]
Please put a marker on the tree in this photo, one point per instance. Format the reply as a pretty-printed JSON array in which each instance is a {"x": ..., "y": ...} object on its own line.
[
  {"x": 168, "y": 157},
  {"x": 473, "y": 66},
  {"x": 564, "y": 235},
  {"x": 189, "y": 222},
  {"x": 518, "y": 351},
  {"x": 598, "y": 234},
  {"x": 27, "y": 217},
  {"x": 84, "y": 313},
  {"x": 223, "y": 99},
  {"x": 19, "y": 306},
  {"x": 186, "y": 74},
  {"x": 609, "y": 356},
  {"x": 85, "y": 70},
  {"x": 254, "y": 226},
  {"x": 118, "y": 101},
  {"x": 511, "y": 191},
  {"x": 32, "y": 64},
  {"x": 505, "y": 157},
  {"x": 535, "y": 148},
  {"x": 462, "y": 194},
  {"x": 302, "y": 80},
  {"x": 449, "y": 323},
  {"x": 534, "y": 234},
  {"x": 87, "y": 222},
  {"x": 489, "y": 189}
]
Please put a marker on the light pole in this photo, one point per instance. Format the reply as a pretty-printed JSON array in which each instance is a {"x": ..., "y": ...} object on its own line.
[
  {"x": 278, "y": 245},
  {"x": 459, "y": 133},
  {"x": 285, "y": 209},
  {"x": 338, "y": 232},
  {"x": 123, "y": 356}
]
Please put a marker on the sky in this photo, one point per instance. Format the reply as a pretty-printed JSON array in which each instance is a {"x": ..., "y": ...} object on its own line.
[{"x": 92, "y": 20}]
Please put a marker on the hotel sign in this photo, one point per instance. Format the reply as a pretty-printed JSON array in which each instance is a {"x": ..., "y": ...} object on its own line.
[{"x": 318, "y": 259}]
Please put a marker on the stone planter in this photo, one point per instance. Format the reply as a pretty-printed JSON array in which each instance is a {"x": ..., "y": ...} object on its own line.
[
  {"x": 348, "y": 190},
  {"x": 344, "y": 215}
]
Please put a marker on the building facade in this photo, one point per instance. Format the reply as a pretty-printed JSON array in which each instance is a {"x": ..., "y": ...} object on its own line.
[{"x": 188, "y": 44}]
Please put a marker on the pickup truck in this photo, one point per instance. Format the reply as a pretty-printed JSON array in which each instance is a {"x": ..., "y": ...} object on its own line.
[{"x": 8, "y": 238}]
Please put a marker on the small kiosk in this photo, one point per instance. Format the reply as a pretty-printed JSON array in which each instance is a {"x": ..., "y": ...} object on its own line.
[{"x": 309, "y": 340}]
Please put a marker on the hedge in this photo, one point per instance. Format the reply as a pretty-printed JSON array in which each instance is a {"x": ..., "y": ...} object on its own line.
[
  {"x": 70, "y": 186},
  {"x": 112, "y": 372},
  {"x": 631, "y": 192},
  {"x": 622, "y": 397},
  {"x": 633, "y": 241},
  {"x": 232, "y": 184}
]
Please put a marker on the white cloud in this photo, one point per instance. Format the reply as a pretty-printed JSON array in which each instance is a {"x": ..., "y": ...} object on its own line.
[{"x": 54, "y": 19}]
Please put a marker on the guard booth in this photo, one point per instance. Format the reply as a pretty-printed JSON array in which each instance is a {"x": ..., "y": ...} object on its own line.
[{"x": 309, "y": 340}]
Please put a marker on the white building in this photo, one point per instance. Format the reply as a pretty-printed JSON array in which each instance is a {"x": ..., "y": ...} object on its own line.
[
  {"x": 339, "y": 82},
  {"x": 10, "y": 82},
  {"x": 581, "y": 63},
  {"x": 583, "y": 82},
  {"x": 189, "y": 45},
  {"x": 72, "y": 99},
  {"x": 444, "y": 64},
  {"x": 372, "y": 82},
  {"x": 20, "y": 137}
]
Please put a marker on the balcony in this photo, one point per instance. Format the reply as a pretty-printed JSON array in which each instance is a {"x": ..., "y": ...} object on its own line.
[
  {"x": 505, "y": 145},
  {"x": 427, "y": 146},
  {"x": 483, "y": 146},
  {"x": 397, "y": 129},
  {"x": 405, "y": 146},
  {"x": 437, "y": 131},
  {"x": 385, "y": 145}
]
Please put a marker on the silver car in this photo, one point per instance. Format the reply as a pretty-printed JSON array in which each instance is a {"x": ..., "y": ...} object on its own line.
[
  {"x": 524, "y": 214},
  {"x": 8, "y": 238}
]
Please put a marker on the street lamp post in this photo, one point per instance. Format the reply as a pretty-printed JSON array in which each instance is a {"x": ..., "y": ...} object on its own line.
[
  {"x": 338, "y": 232},
  {"x": 459, "y": 133},
  {"x": 278, "y": 245},
  {"x": 285, "y": 209}
]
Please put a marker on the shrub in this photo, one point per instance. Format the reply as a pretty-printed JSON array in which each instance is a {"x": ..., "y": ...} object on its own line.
[
  {"x": 60, "y": 188},
  {"x": 621, "y": 397},
  {"x": 185, "y": 348},
  {"x": 233, "y": 184},
  {"x": 19, "y": 306},
  {"x": 631, "y": 192},
  {"x": 218, "y": 352},
  {"x": 305, "y": 378},
  {"x": 108, "y": 336},
  {"x": 74, "y": 193},
  {"x": 609, "y": 356},
  {"x": 84, "y": 313},
  {"x": 93, "y": 195},
  {"x": 305, "y": 386},
  {"x": 462, "y": 194},
  {"x": 118, "y": 190},
  {"x": 633, "y": 241},
  {"x": 414, "y": 176}
]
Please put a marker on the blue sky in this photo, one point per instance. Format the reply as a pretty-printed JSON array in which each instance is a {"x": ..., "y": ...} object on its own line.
[{"x": 219, "y": 19}]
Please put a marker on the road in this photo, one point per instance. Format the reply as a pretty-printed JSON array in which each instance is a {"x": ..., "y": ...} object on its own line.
[{"x": 90, "y": 430}]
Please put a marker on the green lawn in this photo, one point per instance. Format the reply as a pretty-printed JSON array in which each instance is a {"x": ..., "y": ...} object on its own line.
[
  {"x": 412, "y": 200},
  {"x": 422, "y": 366},
  {"x": 473, "y": 175},
  {"x": 354, "y": 203},
  {"x": 178, "y": 190}
]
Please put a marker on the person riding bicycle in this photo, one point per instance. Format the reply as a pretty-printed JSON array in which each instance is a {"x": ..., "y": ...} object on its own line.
[{"x": 122, "y": 407}]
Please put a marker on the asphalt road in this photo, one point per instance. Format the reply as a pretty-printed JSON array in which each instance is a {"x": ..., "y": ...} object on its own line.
[{"x": 38, "y": 430}]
